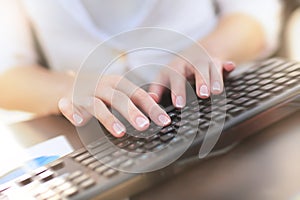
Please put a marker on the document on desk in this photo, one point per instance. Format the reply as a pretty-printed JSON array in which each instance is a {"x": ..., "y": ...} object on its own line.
[{"x": 36, "y": 156}]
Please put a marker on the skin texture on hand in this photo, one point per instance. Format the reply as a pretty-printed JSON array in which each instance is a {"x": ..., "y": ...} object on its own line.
[{"x": 33, "y": 89}]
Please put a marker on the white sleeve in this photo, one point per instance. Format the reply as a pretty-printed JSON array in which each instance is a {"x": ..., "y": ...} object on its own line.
[
  {"x": 267, "y": 12},
  {"x": 16, "y": 43}
]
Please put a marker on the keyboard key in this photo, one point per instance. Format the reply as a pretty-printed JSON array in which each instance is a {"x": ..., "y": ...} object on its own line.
[
  {"x": 167, "y": 129},
  {"x": 235, "y": 111},
  {"x": 110, "y": 173},
  {"x": 135, "y": 145},
  {"x": 241, "y": 101},
  {"x": 81, "y": 178},
  {"x": 265, "y": 75},
  {"x": 278, "y": 75},
  {"x": 294, "y": 74},
  {"x": 167, "y": 137},
  {"x": 78, "y": 152},
  {"x": 56, "y": 165},
  {"x": 101, "y": 169},
  {"x": 75, "y": 174},
  {"x": 255, "y": 93},
  {"x": 268, "y": 87},
  {"x": 194, "y": 116},
  {"x": 264, "y": 95},
  {"x": 126, "y": 164},
  {"x": 24, "y": 179},
  {"x": 87, "y": 184},
  {"x": 152, "y": 145},
  {"x": 197, "y": 122},
  {"x": 204, "y": 126},
  {"x": 250, "y": 103},
  {"x": 252, "y": 81},
  {"x": 292, "y": 82},
  {"x": 181, "y": 123},
  {"x": 292, "y": 68},
  {"x": 82, "y": 157},
  {"x": 281, "y": 80},
  {"x": 265, "y": 82},
  {"x": 70, "y": 192},
  {"x": 277, "y": 89},
  {"x": 94, "y": 165},
  {"x": 252, "y": 88},
  {"x": 46, "y": 176}
]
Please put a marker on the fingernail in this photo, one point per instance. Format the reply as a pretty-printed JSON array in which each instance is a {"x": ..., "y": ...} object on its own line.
[
  {"x": 204, "y": 91},
  {"x": 179, "y": 102},
  {"x": 77, "y": 119},
  {"x": 216, "y": 86},
  {"x": 118, "y": 128},
  {"x": 141, "y": 122},
  {"x": 63, "y": 103},
  {"x": 231, "y": 64},
  {"x": 164, "y": 119}
]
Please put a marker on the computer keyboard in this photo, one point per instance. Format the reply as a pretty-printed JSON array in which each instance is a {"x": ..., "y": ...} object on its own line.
[{"x": 253, "y": 99}]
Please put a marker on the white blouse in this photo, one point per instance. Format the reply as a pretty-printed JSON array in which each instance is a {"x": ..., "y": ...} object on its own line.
[{"x": 68, "y": 30}]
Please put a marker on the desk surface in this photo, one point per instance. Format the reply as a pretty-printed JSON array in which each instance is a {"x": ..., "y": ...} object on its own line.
[{"x": 265, "y": 166}]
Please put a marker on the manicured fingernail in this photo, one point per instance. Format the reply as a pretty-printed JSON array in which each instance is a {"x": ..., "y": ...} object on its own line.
[
  {"x": 77, "y": 119},
  {"x": 204, "y": 91},
  {"x": 164, "y": 119},
  {"x": 118, "y": 128},
  {"x": 179, "y": 102},
  {"x": 231, "y": 64},
  {"x": 141, "y": 122},
  {"x": 63, "y": 103},
  {"x": 216, "y": 86}
]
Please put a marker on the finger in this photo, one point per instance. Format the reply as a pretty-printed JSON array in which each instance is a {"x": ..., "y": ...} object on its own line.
[
  {"x": 229, "y": 66},
  {"x": 216, "y": 77},
  {"x": 159, "y": 85},
  {"x": 107, "y": 119},
  {"x": 177, "y": 84},
  {"x": 121, "y": 102},
  {"x": 202, "y": 81},
  {"x": 145, "y": 102},
  {"x": 74, "y": 114}
]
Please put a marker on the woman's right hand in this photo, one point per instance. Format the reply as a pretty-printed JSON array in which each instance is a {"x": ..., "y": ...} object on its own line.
[{"x": 119, "y": 93}]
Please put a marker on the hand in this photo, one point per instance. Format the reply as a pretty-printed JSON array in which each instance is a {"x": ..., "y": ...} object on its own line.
[
  {"x": 122, "y": 95},
  {"x": 208, "y": 79}
]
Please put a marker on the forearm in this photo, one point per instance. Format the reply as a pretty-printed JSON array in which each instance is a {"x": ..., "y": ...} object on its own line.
[
  {"x": 237, "y": 37},
  {"x": 33, "y": 89}
]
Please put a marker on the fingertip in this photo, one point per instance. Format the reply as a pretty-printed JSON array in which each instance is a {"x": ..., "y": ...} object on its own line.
[
  {"x": 119, "y": 130},
  {"x": 217, "y": 87},
  {"x": 142, "y": 123},
  {"x": 179, "y": 101},
  {"x": 204, "y": 91},
  {"x": 229, "y": 66},
  {"x": 63, "y": 104},
  {"x": 77, "y": 119},
  {"x": 164, "y": 119}
]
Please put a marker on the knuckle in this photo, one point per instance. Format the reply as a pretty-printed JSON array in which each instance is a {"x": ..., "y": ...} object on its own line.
[{"x": 140, "y": 94}]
